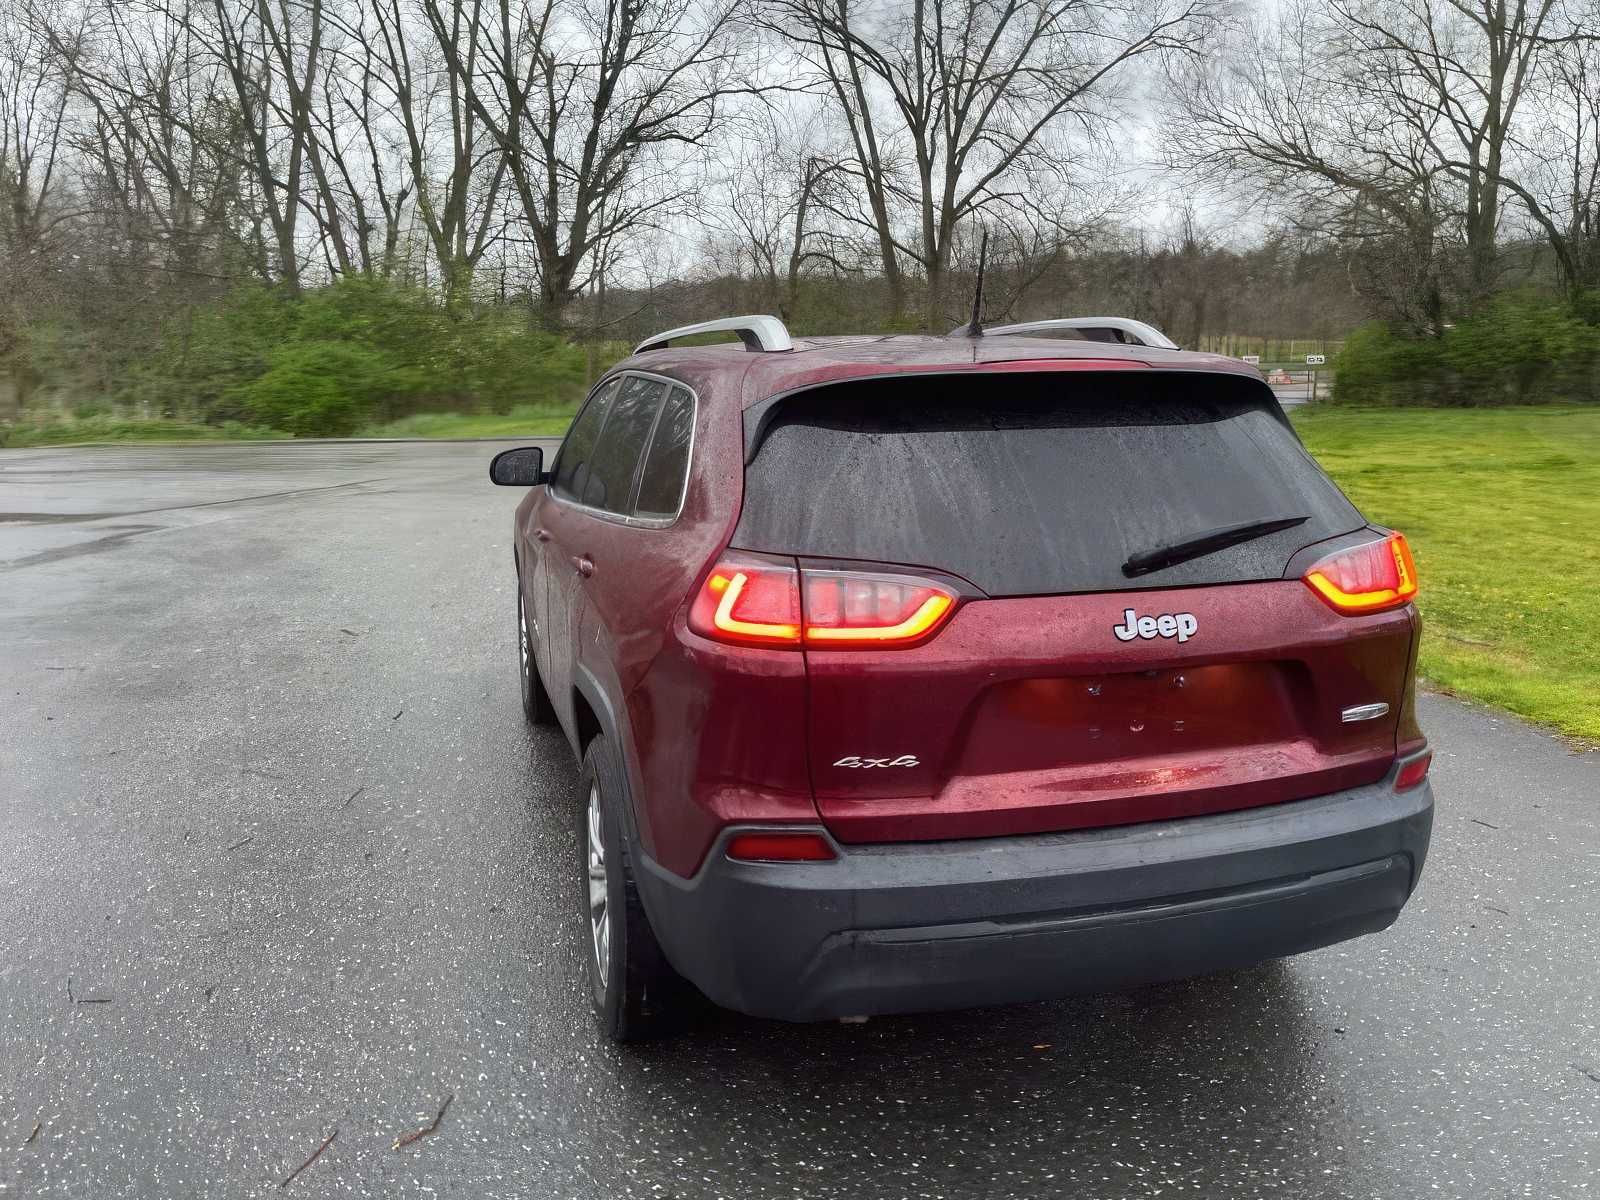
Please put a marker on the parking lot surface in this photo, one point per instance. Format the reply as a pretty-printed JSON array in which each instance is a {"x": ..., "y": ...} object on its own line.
[{"x": 280, "y": 859}]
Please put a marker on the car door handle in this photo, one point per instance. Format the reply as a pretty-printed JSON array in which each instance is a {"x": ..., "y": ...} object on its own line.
[
  {"x": 583, "y": 565},
  {"x": 542, "y": 535}
]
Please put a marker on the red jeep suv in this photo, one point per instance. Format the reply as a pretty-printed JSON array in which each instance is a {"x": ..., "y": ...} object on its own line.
[{"x": 915, "y": 672}]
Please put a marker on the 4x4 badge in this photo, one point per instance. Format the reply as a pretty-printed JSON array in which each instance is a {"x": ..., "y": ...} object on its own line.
[
  {"x": 905, "y": 760},
  {"x": 1178, "y": 625}
]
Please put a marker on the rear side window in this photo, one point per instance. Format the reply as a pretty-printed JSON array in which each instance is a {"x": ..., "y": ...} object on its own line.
[
  {"x": 1038, "y": 484},
  {"x": 667, "y": 462},
  {"x": 572, "y": 467},
  {"x": 616, "y": 458}
]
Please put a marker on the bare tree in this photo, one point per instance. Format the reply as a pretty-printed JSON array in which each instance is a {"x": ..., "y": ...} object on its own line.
[
  {"x": 158, "y": 155},
  {"x": 1557, "y": 180},
  {"x": 962, "y": 107},
  {"x": 586, "y": 99},
  {"x": 33, "y": 110},
  {"x": 1392, "y": 122},
  {"x": 1457, "y": 72},
  {"x": 453, "y": 168},
  {"x": 34, "y": 204},
  {"x": 778, "y": 204}
]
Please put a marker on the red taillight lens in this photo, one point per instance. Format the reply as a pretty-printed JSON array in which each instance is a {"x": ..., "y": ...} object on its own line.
[
  {"x": 844, "y": 608},
  {"x": 1368, "y": 578},
  {"x": 749, "y": 603},
  {"x": 1413, "y": 772},
  {"x": 780, "y": 846},
  {"x": 759, "y": 604}
]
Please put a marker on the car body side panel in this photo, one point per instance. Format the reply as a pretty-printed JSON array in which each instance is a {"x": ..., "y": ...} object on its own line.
[
  {"x": 713, "y": 734},
  {"x": 563, "y": 613},
  {"x": 721, "y": 733},
  {"x": 533, "y": 575}
]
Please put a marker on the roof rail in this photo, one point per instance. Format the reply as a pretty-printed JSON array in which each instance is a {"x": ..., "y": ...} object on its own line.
[
  {"x": 1138, "y": 331},
  {"x": 756, "y": 332}
]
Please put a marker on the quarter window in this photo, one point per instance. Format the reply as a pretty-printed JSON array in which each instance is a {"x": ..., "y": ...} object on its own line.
[
  {"x": 666, "y": 463},
  {"x": 616, "y": 459}
]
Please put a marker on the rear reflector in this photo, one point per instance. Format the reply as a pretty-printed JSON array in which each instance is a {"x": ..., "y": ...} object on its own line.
[
  {"x": 754, "y": 603},
  {"x": 1413, "y": 772},
  {"x": 781, "y": 846},
  {"x": 1369, "y": 578}
]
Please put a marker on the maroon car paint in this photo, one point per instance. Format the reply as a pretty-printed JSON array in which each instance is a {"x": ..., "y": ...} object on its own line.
[
  {"x": 1028, "y": 715},
  {"x": 1000, "y": 708}
]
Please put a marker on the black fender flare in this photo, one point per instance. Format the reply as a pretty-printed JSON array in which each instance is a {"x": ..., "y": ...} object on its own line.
[{"x": 614, "y": 726}]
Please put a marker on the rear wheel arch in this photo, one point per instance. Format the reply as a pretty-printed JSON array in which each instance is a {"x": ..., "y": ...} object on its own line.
[
  {"x": 593, "y": 714},
  {"x": 586, "y": 724}
]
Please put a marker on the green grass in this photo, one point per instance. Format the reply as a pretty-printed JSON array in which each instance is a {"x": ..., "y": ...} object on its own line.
[
  {"x": 531, "y": 421},
  {"x": 1502, "y": 509},
  {"x": 67, "y": 431},
  {"x": 551, "y": 421}
]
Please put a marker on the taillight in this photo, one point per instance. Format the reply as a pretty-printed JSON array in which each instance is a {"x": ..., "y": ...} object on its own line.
[
  {"x": 749, "y": 602},
  {"x": 1368, "y": 578},
  {"x": 1413, "y": 771},
  {"x": 780, "y": 846},
  {"x": 845, "y": 608}
]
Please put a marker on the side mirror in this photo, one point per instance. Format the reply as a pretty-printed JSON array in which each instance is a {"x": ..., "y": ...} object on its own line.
[{"x": 522, "y": 467}]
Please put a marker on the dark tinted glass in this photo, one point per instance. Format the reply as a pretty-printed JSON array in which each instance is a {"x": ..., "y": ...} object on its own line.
[
  {"x": 633, "y": 412},
  {"x": 1037, "y": 484},
  {"x": 661, "y": 483},
  {"x": 572, "y": 467}
]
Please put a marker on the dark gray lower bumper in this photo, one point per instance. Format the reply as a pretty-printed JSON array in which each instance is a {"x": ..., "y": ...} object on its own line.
[{"x": 955, "y": 924}]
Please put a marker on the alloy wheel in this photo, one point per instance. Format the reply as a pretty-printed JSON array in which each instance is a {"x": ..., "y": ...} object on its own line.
[
  {"x": 599, "y": 912},
  {"x": 523, "y": 649}
]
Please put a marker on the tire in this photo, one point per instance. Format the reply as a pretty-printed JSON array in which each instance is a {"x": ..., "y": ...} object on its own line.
[
  {"x": 633, "y": 989},
  {"x": 536, "y": 704}
]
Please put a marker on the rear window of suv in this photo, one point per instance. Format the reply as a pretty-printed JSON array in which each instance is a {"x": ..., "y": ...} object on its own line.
[{"x": 1038, "y": 484}]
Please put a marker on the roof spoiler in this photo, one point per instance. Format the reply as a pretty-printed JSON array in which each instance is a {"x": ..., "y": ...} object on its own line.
[
  {"x": 758, "y": 333},
  {"x": 1109, "y": 329}
]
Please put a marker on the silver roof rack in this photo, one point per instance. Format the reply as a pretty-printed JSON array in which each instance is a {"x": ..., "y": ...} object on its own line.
[
  {"x": 756, "y": 332},
  {"x": 1138, "y": 331}
]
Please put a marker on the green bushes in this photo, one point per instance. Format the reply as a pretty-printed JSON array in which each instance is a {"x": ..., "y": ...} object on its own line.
[
  {"x": 321, "y": 389},
  {"x": 359, "y": 352},
  {"x": 1522, "y": 348}
]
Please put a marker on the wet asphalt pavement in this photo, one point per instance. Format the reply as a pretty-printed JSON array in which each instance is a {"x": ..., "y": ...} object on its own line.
[{"x": 268, "y": 802}]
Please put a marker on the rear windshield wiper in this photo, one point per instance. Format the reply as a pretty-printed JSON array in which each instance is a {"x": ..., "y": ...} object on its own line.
[{"x": 1205, "y": 543}]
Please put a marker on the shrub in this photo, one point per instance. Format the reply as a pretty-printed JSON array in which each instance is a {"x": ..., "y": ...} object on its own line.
[
  {"x": 331, "y": 359},
  {"x": 1521, "y": 348},
  {"x": 319, "y": 389}
]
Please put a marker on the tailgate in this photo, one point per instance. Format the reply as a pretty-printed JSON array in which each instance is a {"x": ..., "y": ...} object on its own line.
[
  {"x": 1071, "y": 506},
  {"x": 1030, "y": 714}
]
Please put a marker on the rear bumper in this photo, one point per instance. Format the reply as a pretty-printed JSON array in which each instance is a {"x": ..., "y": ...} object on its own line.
[{"x": 920, "y": 926}]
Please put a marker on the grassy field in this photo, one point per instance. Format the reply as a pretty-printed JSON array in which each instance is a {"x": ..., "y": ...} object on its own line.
[
  {"x": 67, "y": 431},
  {"x": 519, "y": 422},
  {"x": 1502, "y": 509}
]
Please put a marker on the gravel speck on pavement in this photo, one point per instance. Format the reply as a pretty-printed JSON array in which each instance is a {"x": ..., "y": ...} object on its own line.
[{"x": 286, "y": 911}]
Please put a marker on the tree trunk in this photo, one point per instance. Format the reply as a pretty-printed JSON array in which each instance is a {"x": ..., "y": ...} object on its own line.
[{"x": 933, "y": 312}]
